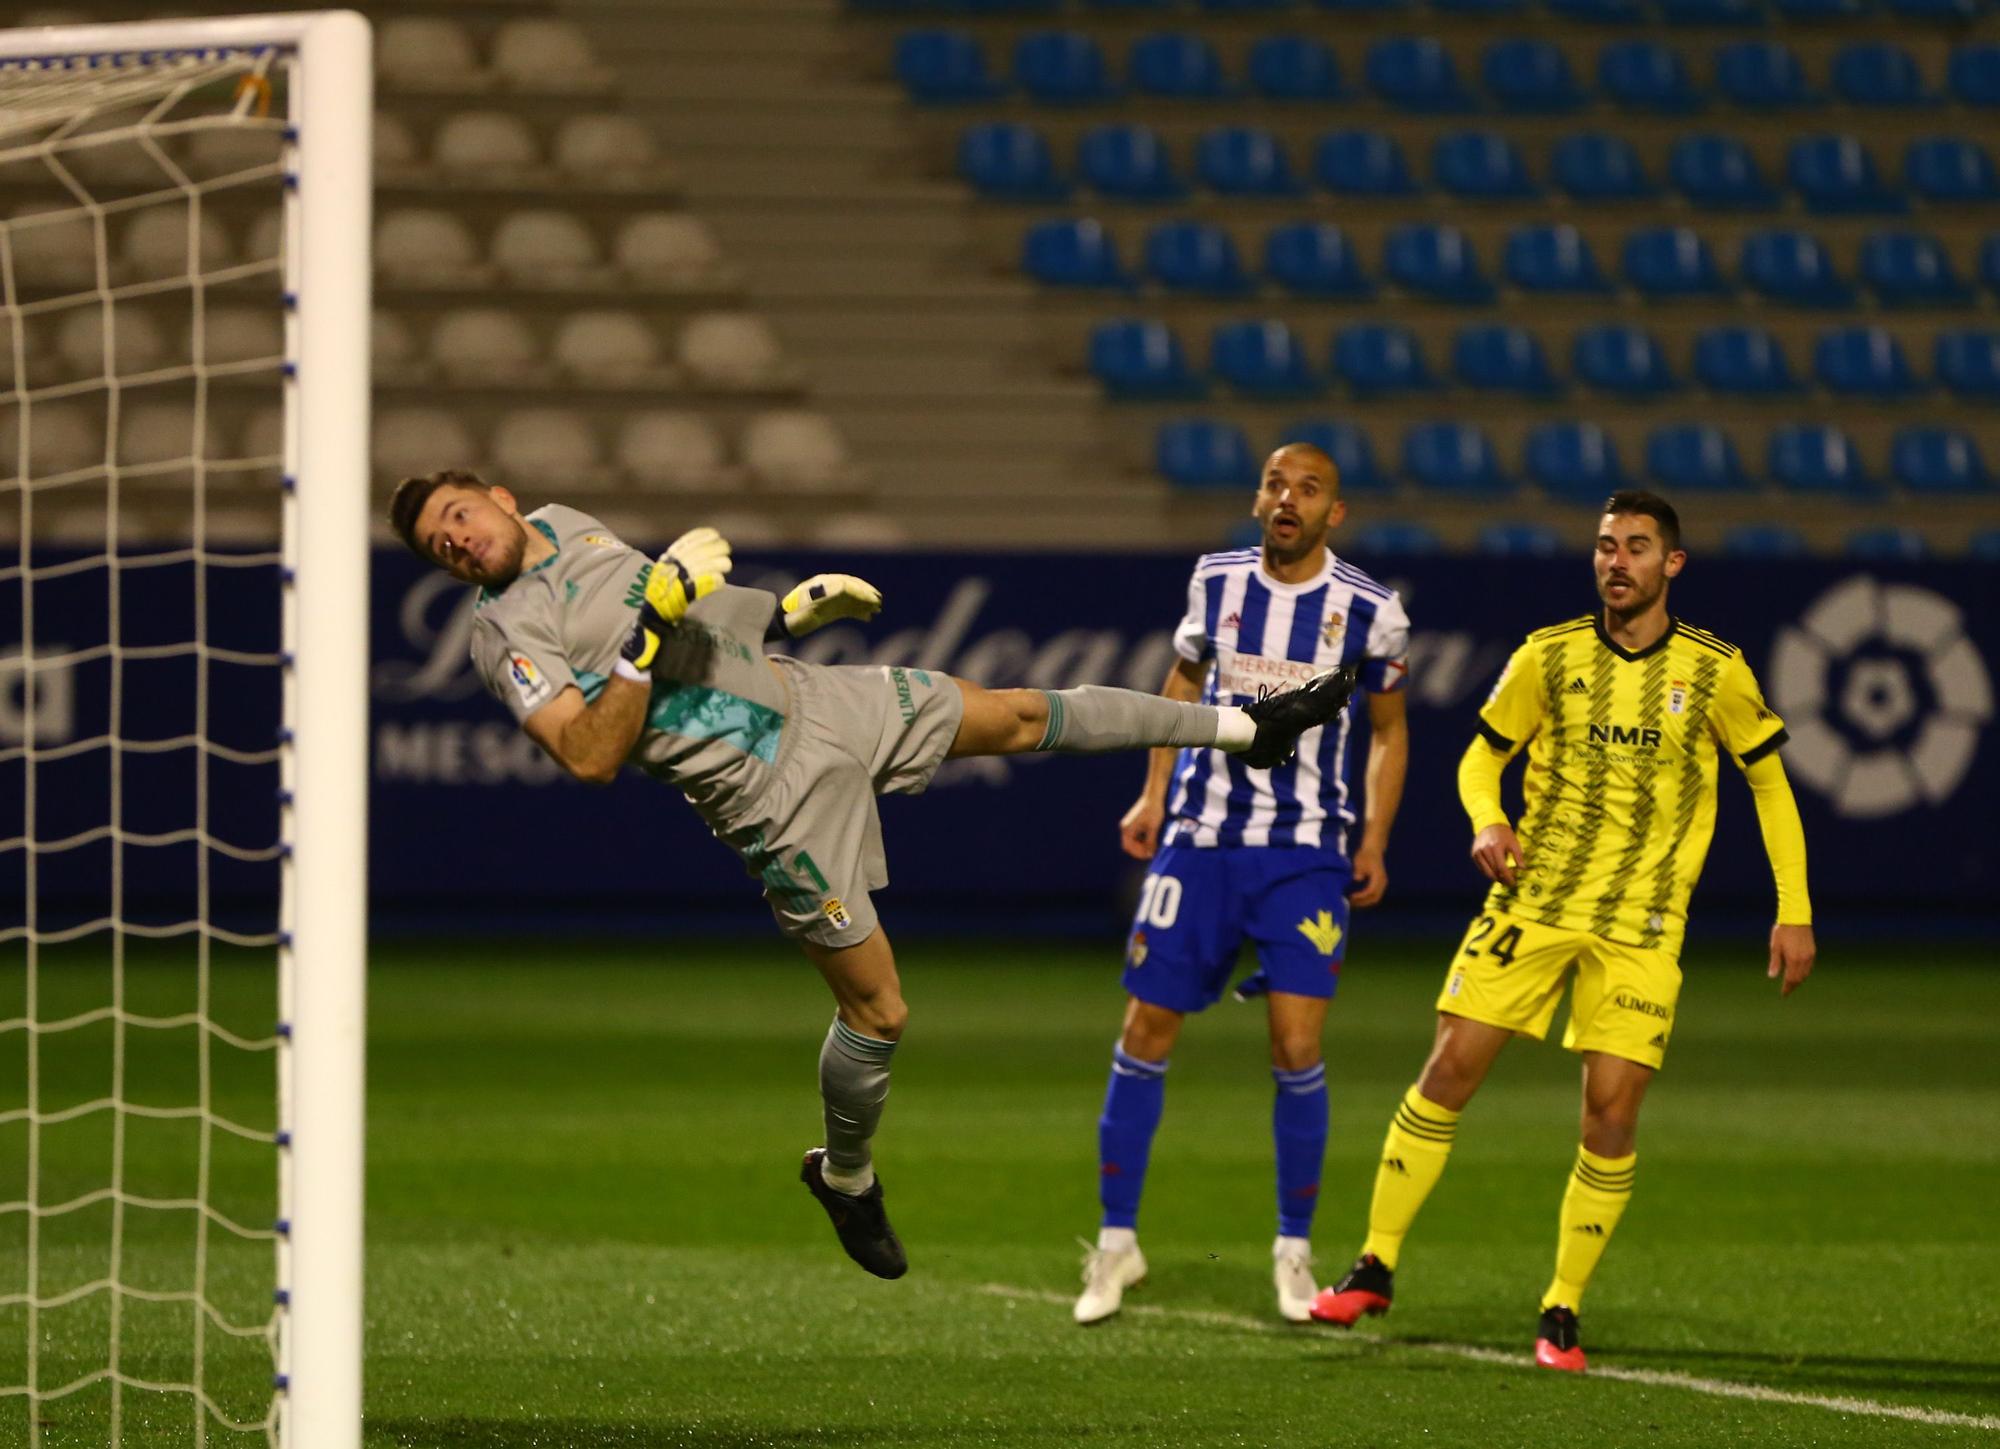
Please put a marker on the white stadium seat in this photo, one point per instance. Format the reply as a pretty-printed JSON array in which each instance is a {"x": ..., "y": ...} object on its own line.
[
  {"x": 666, "y": 246},
  {"x": 137, "y": 346},
  {"x": 227, "y": 150},
  {"x": 422, "y": 244},
  {"x": 730, "y": 349},
  {"x": 545, "y": 54},
  {"x": 396, "y": 146},
  {"x": 794, "y": 449},
  {"x": 426, "y": 52},
  {"x": 61, "y": 251},
  {"x": 238, "y": 334},
  {"x": 155, "y": 243},
  {"x": 858, "y": 530},
  {"x": 266, "y": 235},
  {"x": 263, "y": 436},
  {"x": 607, "y": 346},
  {"x": 421, "y": 440},
  {"x": 670, "y": 450},
  {"x": 485, "y": 344},
  {"x": 62, "y": 437},
  {"x": 602, "y": 147},
  {"x": 392, "y": 342},
  {"x": 545, "y": 445},
  {"x": 158, "y": 432},
  {"x": 544, "y": 245},
  {"x": 476, "y": 142}
]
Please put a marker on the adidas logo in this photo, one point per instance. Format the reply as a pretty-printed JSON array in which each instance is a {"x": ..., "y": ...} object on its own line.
[
  {"x": 1577, "y": 686},
  {"x": 1659, "y": 1039},
  {"x": 1595, "y": 1230},
  {"x": 1395, "y": 1164}
]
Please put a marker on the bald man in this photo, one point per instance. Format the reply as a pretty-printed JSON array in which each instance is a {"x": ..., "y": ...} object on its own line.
[{"x": 1260, "y": 855}]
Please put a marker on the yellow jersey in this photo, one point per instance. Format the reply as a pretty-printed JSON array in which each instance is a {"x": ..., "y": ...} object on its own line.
[{"x": 1620, "y": 783}]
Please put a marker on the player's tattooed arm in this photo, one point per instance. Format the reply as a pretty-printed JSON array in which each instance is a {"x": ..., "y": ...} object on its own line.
[{"x": 591, "y": 740}]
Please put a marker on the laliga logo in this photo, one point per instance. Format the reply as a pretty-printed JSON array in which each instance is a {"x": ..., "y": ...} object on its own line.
[{"x": 1883, "y": 694}]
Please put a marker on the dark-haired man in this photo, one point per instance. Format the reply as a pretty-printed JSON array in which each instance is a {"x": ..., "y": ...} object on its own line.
[
  {"x": 1621, "y": 712},
  {"x": 606, "y": 658}
]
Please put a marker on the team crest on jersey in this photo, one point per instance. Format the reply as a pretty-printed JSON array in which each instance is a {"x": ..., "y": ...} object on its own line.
[
  {"x": 1677, "y": 696},
  {"x": 528, "y": 681},
  {"x": 1336, "y": 625},
  {"x": 837, "y": 913},
  {"x": 1136, "y": 953}
]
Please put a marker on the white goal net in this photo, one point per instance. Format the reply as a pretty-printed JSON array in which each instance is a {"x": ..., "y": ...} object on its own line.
[{"x": 183, "y": 606}]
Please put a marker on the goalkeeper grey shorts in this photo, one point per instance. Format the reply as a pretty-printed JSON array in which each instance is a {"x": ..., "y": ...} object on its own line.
[{"x": 813, "y": 837}]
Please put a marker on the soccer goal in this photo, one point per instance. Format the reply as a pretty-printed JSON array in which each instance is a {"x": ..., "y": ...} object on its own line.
[{"x": 184, "y": 330}]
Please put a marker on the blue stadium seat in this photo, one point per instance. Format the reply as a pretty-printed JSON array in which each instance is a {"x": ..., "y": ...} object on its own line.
[
  {"x": 1011, "y": 162},
  {"x": 1937, "y": 10},
  {"x": 941, "y": 67},
  {"x": 1672, "y": 261},
  {"x": 1763, "y": 540},
  {"x": 1479, "y": 7},
  {"x": 1262, "y": 359},
  {"x": 1950, "y": 169},
  {"x": 1362, "y": 163},
  {"x": 1837, "y": 174},
  {"x": 1576, "y": 462},
  {"x": 1808, "y": 458},
  {"x": 1718, "y": 171},
  {"x": 1600, "y": 12},
  {"x": 1989, "y": 263},
  {"x": 1624, "y": 360},
  {"x": 1061, "y": 68},
  {"x": 1397, "y": 538},
  {"x": 1552, "y": 259},
  {"x": 1377, "y": 359},
  {"x": 1453, "y": 458},
  {"x": 1762, "y": 75},
  {"x": 1938, "y": 460},
  {"x": 1746, "y": 360},
  {"x": 1984, "y": 545},
  {"x": 1065, "y": 253},
  {"x": 1519, "y": 540},
  {"x": 1141, "y": 360},
  {"x": 1177, "y": 66},
  {"x": 1195, "y": 256},
  {"x": 1712, "y": 12},
  {"x": 1348, "y": 445},
  {"x": 1435, "y": 261},
  {"x": 1879, "y": 74},
  {"x": 1792, "y": 266},
  {"x": 1315, "y": 259},
  {"x": 1910, "y": 269},
  {"x": 1295, "y": 68},
  {"x": 1643, "y": 75},
  {"x": 1203, "y": 453},
  {"x": 1244, "y": 161},
  {"x": 1975, "y": 74},
  {"x": 1820, "y": 10},
  {"x": 1863, "y": 362},
  {"x": 1416, "y": 73},
  {"x": 1595, "y": 166},
  {"x": 1129, "y": 163},
  {"x": 1480, "y": 166},
  {"x": 1890, "y": 544},
  {"x": 1694, "y": 457},
  {"x": 1499, "y": 358},
  {"x": 1530, "y": 76},
  {"x": 1968, "y": 363}
]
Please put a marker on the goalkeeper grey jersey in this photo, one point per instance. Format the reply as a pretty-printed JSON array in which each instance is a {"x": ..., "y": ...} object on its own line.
[{"x": 718, "y": 710}]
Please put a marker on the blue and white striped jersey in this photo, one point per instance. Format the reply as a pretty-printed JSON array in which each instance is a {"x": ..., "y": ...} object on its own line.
[{"x": 1259, "y": 632}]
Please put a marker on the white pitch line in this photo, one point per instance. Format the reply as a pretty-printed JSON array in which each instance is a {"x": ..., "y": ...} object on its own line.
[{"x": 1657, "y": 1378}]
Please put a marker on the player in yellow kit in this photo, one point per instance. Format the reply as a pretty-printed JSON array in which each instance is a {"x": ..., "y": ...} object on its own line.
[{"x": 1621, "y": 713}]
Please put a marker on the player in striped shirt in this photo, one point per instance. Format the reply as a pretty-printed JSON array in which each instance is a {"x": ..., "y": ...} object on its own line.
[{"x": 1259, "y": 854}]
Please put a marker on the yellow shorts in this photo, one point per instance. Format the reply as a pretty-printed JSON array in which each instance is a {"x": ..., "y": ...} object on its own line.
[{"x": 1510, "y": 973}]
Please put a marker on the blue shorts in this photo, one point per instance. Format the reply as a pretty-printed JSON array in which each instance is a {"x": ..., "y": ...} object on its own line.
[{"x": 1200, "y": 903}]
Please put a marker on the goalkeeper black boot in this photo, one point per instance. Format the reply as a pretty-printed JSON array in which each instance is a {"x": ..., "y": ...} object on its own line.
[
  {"x": 1282, "y": 717},
  {"x": 1367, "y": 1288},
  {"x": 859, "y": 1219},
  {"x": 1559, "y": 1340}
]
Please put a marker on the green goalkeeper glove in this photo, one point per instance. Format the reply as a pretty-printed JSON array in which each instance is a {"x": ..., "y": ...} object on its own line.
[
  {"x": 825, "y": 597},
  {"x": 692, "y": 568}
]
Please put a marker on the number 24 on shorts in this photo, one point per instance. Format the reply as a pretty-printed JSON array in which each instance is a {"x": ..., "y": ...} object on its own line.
[{"x": 1504, "y": 945}]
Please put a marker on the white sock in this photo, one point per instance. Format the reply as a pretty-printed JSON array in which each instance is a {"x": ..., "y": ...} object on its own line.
[
  {"x": 1292, "y": 1248},
  {"x": 1234, "y": 730},
  {"x": 851, "y": 1183},
  {"x": 1117, "y": 1240}
]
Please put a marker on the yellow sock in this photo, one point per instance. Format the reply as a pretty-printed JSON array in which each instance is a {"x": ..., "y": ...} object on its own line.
[
  {"x": 1413, "y": 1158},
  {"x": 1599, "y": 1188}
]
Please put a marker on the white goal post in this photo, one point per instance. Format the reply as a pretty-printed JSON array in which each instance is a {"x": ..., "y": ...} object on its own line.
[{"x": 323, "y": 763}]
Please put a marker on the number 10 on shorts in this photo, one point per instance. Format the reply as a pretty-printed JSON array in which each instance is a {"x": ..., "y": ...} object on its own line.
[{"x": 1160, "y": 902}]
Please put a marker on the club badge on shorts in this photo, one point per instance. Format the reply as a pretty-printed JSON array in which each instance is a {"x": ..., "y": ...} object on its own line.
[
  {"x": 837, "y": 913},
  {"x": 1136, "y": 954}
]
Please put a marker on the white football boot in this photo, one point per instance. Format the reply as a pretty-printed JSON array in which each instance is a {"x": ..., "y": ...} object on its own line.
[
  {"x": 1292, "y": 1273},
  {"x": 1107, "y": 1273}
]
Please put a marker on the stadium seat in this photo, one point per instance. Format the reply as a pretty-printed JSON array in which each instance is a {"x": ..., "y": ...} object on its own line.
[
  {"x": 396, "y": 146},
  {"x": 666, "y": 247},
  {"x": 1910, "y": 269},
  {"x": 265, "y": 237},
  {"x": 1807, "y": 458},
  {"x": 1718, "y": 171},
  {"x": 1499, "y": 358},
  {"x": 1938, "y": 460},
  {"x": 1576, "y": 462},
  {"x": 1950, "y": 169},
  {"x": 153, "y": 433},
  {"x": 1643, "y": 75},
  {"x": 485, "y": 345},
  {"x": 238, "y": 148},
  {"x": 406, "y": 441},
  {"x": 1792, "y": 266},
  {"x": 609, "y": 147},
  {"x": 1837, "y": 174},
  {"x": 1821, "y": 10},
  {"x": 1174, "y": 65},
  {"x": 139, "y": 345},
  {"x": 1314, "y": 259},
  {"x": 1519, "y": 540},
  {"x": 1416, "y": 73},
  {"x": 1397, "y": 537},
  {"x": 1479, "y": 7},
  {"x": 1968, "y": 363},
  {"x": 730, "y": 350},
  {"x": 944, "y": 67},
  {"x": 1362, "y": 163},
  {"x": 1195, "y": 256},
  {"x": 1891, "y": 544},
  {"x": 1984, "y": 545},
  {"x": 474, "y": 143},
  {"x": 1712, "y": 12},
  {"x": 670, "y": 450},
  {"x": 1262, "y": 359},
  {"x": 1863, "y": 362},
  {"x": 1989, "y": 263},
  {"x": 1201, "y": 453},
  {"x": 1948, "y": 11},
  {"x": 427, "y": 53},
  {"x": 1879, "y": 74},
  {"x": 796, "y": 449},
  {"x": 1006, "y": 160},
  {"x": 1072, "y": 253},
  {"x": 1062, "y": 68},
  {"x": 1531, "y": 76},
  {"x": 545, "y": 445},
  {"x": 1624, "y": 360},
  {"x": 861, "y": 529},
  {"x": 1762, "y": 75},
  {"x": 606, "y": 346},
  {"x": 1436, "y": 262},
  {"x": 1763, "y": 540},
  {"x": 413, "y": 246},
  {"x": 1596, "y": 166},
  {"x": 1243, "y": 161},
  {"x": 1138, "y": 360},
  {"x": 537, "y": 53},
  {"x": 1378, "y": 359},
  {"x": 1552, "y": 259},
  {"x": 1480, "y": 166},
  {"x": 1129, "y": 163},
  {"x": 1693, "y": 457},
  {"x": 1453, "y": 458},
  {"x": 1295, "y": 68},
  {"x": 1671, "y": 261},
  {"x": 1975, "y": 74},
  {"x": 392, "y": 344},
  {"x": 1600, "y": 12},
  {"x": 1745, "y": 360},
  {"x": 544, "y": 245},
  {"x": 1352, "y": 453}
]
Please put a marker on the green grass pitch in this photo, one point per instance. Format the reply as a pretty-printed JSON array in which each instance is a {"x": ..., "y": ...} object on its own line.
[{"x": 585, "y": 1227}]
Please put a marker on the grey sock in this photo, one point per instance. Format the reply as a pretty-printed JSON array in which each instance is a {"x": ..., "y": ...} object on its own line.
[
  {"x": 1095, "y": 718},
  {"x": 853, "y": 1084}
]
